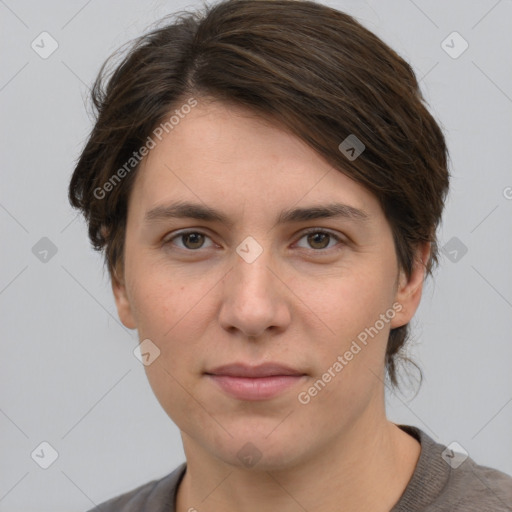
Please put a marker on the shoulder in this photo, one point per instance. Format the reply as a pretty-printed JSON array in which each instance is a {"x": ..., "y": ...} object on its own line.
[
  {"x": 445, "y": 480},
  {"x": 473, "y": 487},
  {"x": 155, "y": 496}
]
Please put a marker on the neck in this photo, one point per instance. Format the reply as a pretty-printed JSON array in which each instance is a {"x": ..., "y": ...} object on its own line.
[{"x": 367, "y": 468}]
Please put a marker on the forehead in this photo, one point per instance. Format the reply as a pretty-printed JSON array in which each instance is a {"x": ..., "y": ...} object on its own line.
[{"x": 227, "y": 155}]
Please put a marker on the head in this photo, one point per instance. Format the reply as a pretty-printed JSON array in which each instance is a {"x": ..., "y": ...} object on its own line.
[{"x": 265, "y": 115}]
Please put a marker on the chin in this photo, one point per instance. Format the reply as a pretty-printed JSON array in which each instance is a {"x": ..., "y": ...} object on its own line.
[{"x": 260, "y": 451}]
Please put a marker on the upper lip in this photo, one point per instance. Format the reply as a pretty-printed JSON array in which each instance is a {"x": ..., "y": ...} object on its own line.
[{"x": 262, "y": 370}]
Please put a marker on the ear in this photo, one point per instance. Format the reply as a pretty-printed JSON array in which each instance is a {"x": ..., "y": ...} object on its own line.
[
  {"x": 408, "y": 293},
  {"x": 124, "y": 309}
]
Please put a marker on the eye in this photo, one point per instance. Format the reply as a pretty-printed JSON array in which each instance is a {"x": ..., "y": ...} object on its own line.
[
  {"x": 192, "y": 240},
  {"x": 319, "y": 239}
]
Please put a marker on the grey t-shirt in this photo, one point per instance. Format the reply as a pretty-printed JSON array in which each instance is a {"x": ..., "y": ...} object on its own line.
[{"x": 436, "y": 486}]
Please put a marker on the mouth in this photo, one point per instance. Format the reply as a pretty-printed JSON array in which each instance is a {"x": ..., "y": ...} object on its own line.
[{"x": 255, "y": 382}]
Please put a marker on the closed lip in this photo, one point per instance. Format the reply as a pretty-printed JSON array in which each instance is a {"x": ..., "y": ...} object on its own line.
[{"x": 248, "y": 371}]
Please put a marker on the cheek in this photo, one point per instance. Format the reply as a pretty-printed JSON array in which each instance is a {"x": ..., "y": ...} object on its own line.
[
  {"x": 171, "y": 314},
  {"x": 346, "y": 304},
  {"x": 159, "y": 299},
  {"x": 176, "y": 392},
  {"x": 174, "y": 312},
  {"x": 350, "y": 305},
  {"x": 350, "y": 359}
]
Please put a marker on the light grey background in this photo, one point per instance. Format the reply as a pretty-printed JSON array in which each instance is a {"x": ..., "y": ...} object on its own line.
[{"x": 68, "y": 374}]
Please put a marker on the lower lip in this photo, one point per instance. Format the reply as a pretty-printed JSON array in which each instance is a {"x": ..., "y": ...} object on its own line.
[{"x": 256, "y": 388}]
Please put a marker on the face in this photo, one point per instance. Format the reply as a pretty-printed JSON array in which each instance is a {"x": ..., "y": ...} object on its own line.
[{"x": 259, "y": 276}]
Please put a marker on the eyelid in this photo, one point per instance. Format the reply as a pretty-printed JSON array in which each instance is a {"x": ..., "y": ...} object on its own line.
[{"x": 320, "y": 230}]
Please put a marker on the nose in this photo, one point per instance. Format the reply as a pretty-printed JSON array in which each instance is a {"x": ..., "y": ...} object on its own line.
[{"x": 254, "y": 298}]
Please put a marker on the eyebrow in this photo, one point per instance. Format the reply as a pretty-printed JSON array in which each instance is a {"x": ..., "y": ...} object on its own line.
[{"x": 183, "y": 209}]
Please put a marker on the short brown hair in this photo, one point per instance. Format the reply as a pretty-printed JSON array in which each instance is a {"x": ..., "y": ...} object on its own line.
[{"x": 315, "y": 70}]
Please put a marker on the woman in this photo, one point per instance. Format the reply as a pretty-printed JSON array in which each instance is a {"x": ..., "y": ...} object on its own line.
[{"x": 266, "y": 182}]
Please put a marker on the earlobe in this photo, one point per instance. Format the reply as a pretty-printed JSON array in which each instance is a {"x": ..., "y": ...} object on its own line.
[
  {"x": 124, "y": 309},
  {"x": 409, "y": 290}
]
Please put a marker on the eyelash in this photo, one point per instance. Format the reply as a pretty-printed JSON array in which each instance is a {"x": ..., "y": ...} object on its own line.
[{"x": 304, "y": 233}]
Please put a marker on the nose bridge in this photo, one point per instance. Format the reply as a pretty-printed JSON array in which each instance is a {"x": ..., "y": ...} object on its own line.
[
  {"x": 251, "y": 275},
  {"x": 252, "y": 301}
]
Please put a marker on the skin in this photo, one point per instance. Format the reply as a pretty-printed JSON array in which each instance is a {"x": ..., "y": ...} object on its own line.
[{"x": 301, "y": 302}]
